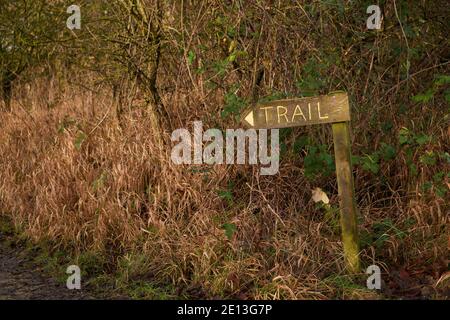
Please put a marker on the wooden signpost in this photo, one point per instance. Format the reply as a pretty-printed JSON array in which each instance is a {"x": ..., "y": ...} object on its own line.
[{"x": 333, "y": 108}]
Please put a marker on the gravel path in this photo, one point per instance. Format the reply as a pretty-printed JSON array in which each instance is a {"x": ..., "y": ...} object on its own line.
[{"x": 21, "y": 279}]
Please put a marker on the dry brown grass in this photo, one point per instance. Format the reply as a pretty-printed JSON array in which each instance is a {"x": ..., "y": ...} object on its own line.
[{"x": 120, "y": 195}]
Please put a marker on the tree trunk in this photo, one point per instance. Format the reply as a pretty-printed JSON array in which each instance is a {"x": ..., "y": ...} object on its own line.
[{"x": 143, "y": 24}]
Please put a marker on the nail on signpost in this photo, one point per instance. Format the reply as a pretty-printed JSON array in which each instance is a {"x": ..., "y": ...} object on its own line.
[{"x": 333, "y": 108}]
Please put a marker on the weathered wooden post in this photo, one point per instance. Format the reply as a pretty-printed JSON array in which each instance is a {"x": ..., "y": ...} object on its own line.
[
  {"x": 333, "y": 108},
  {"x": 346, "y": 189}
]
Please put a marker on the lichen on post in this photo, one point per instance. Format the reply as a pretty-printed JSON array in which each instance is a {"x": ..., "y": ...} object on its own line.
[{"x": 348, "y": 212}]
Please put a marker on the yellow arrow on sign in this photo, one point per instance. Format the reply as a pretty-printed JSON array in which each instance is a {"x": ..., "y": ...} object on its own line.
[{"x": 249, "y": 119}]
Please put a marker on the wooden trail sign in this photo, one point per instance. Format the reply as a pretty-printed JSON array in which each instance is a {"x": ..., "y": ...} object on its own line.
[
  {"x": 333, "y": 108},
  {"x": 298, "y": 112}
]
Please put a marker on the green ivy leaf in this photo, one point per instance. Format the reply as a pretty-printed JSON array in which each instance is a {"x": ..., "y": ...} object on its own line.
[
  {"x": 445, "y": 156},
  {"x": 233, "y": 105},
  {"x": 79, "y": 140},
  {"x": 429, "y": 158},
  {"x": 230, "y": 229},
  {"x": 447, "y": 95},
  {"x": 191, "y": 57},
  {"x": 227, "y": 195},
  {"x": 442, "y": 80},
  {"x": 388, "y": 152},
  {"x": 423, "y": 139},
  {"x": 438, "y": 177},
  {"x": 318, "y": 161},
  {"x": 370, "y": 163},
  {"x": 356, "y": 160},
  {"x": 427, "y": 186},
  {"x": 403, "y": 136},
  {"x": 441, "y": 190},
  {"x": 424, "y": 97}
]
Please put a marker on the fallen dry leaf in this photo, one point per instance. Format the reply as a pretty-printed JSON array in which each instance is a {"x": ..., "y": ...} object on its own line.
[{"x": 318, "y": 195}]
